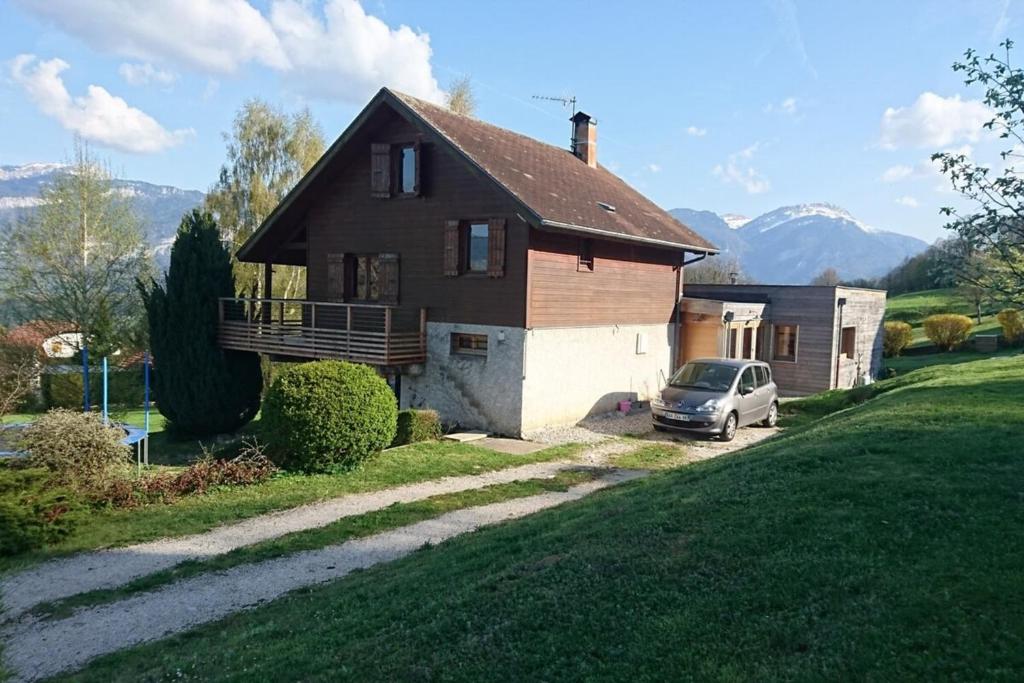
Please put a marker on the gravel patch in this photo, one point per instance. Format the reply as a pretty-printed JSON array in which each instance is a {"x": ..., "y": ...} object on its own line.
[
  {"x": 596, "y": 429},
  {"x": 37, "y": 649},
  {"x": 58, "y": 579}
]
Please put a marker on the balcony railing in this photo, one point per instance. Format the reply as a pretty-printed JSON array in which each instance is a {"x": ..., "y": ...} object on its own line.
[{"x": 362, "y": 333}]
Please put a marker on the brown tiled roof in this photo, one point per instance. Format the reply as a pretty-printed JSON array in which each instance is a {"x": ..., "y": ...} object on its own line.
[
  {"x": 560, "y": 189},
  {"x": 35, "y": 332},
  {"x": 556, "y": 188}
]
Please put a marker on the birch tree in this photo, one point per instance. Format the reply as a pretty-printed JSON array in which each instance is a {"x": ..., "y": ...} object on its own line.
[
  {"x": 268, "y": 152},
  {"x": 76, "y": 258}
]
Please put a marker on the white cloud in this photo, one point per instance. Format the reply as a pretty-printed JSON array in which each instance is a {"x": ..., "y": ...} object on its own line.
[
  {"x": 737, "y": 169},
  {"x": 896, "y": 173},
  {"x": 696, "y": 132},
  {"x": 908, "y": 201},
  {"x": 349, "y": 54},
  {"x": 934, "y": 121},
  {"x": 337, "y": 51},
  {"x": 146, "y": 73},
  {"x": 654, "y": 168},
  {"x": 97, "y": 116},
  {"x": 210, "y": 35}
]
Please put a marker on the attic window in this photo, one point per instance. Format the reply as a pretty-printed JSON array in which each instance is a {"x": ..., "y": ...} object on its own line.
[{"x": 607, "y": 207}]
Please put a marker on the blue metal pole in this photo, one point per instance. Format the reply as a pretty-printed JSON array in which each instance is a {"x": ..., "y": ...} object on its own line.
[
  {"x": 105, "y": 419},
  {"x": 145, "y": 372},
  {"x": 85, "y": 379}
]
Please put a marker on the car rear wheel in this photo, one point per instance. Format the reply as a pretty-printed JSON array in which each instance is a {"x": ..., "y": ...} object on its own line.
[
  {"x": 729, "y": 428},
  {"x": 773, "y": 416}
]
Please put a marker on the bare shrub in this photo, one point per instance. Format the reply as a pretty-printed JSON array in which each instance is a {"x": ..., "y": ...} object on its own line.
[
  {"x": 897, "y": 337},
  {"x": 948, "y": 331},
  {"x": 77, "y": 448}
]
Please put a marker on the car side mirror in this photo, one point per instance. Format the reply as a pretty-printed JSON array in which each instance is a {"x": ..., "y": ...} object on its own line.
[{"x": 746, "y": 391}]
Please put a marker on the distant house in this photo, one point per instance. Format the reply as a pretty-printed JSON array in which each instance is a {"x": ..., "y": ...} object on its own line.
[
  {"x": 815, "y": 338},
  {"x": 507, "y": 283},
  {"x": 55, "y": 339}
]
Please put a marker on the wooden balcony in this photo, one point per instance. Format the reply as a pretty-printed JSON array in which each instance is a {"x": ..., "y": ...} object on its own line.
[{"x": 362, "y": 333}]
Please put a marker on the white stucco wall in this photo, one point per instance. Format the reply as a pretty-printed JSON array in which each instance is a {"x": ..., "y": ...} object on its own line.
[
  {"x": 477, "y": 392},
  {"x": 576, "y": 371}
]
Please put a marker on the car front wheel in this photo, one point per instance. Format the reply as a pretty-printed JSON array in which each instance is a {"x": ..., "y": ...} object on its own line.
[
  {"x": 729, "y": 428},
  {"x": 773, "y": 416}
]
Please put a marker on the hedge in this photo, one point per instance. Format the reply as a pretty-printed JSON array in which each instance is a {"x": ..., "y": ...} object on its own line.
[
  {"x": 417, "y": 425},
  {"x": 64, "y": 389}
]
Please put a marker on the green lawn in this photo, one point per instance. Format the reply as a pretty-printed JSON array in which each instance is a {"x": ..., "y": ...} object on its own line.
[
  {"x": 880, "y": 542},
  {"x": 194, "y": 514}
]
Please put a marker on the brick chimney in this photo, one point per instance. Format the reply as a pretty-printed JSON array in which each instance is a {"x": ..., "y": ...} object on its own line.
[{"x": 584, "y": 138}]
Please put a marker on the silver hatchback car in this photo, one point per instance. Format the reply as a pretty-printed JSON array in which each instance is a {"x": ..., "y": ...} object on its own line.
[{"x": 717, "y": 396}]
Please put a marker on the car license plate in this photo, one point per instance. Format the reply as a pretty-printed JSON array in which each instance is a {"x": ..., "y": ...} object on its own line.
[{"x": 678, "y": 416}]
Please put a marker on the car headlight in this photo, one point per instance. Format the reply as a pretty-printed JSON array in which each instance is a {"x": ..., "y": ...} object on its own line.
[
  {"x": 712, "y": 405},
  {"x": 658, "y": 403}
]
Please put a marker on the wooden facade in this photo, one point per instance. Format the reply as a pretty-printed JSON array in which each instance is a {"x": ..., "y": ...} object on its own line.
[{"x": 624, "y": 283}]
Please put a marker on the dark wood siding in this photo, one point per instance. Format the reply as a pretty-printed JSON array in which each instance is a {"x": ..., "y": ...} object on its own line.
[
  {"x": 629, "y": 284},
  {"x": 344, "y": 218}
]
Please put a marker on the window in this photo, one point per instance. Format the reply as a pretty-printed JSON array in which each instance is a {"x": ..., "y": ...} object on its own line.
[
  {"x": 407, "y": 163},
  {"x": 711, "y": 376},
  {"x": 477, "y": 245},
  {"x": 848, "y": 342},
  {"x": 761, "y": 375},
  {"x": 785, "y": 342},
  {"x": 748, "y": 343},
  {"x": 731, "y": 351},
  {"x": 469, "y": 344},
  {"x": 367, "y": 278},
  {"x": 585, "y": 260},
  {"x": 747, "y": 380}
]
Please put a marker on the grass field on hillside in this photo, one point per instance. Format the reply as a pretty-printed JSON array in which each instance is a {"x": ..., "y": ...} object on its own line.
[{"x": 878, "y": 542}]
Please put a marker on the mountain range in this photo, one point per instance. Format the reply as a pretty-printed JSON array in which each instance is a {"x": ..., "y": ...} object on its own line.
[
  {"x": 789, "y": 245},
  {"x": 792, "y": 244},
  {"x": 160, "y": 207}
]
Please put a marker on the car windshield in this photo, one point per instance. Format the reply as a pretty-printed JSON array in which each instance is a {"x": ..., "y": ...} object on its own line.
[{"x": 710, "y": 376}]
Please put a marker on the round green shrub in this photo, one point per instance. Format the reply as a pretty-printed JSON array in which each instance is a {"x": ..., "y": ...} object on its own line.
[{"x": 326, "y": 415}]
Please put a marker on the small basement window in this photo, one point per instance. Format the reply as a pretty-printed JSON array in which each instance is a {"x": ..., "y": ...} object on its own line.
[
  {"x": 785, "y": 342},
  {"x": 469, "y": 344},
  {"x": 848, "y": 342}
]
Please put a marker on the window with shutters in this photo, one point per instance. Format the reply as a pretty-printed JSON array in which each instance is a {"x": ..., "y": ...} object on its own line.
[
  {"x": 395, "y": 169},
  {"x": 474, "y": 247},
  {"x": 407, "y": 162}
]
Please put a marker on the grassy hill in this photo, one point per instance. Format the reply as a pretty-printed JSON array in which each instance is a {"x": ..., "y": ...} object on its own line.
[{"x": 880, "y": 539}]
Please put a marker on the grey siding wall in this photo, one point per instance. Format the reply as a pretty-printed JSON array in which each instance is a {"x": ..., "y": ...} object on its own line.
[
  {"x": 814, "y": 311},
  {"x": 864, "y": 311}
]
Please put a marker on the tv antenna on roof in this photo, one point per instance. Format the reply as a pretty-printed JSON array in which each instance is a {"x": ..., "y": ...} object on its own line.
[{"x": 566, "y": 102}]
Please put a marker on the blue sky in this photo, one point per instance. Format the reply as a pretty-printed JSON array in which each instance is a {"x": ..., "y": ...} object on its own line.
[{"x": 729, "y": 106}]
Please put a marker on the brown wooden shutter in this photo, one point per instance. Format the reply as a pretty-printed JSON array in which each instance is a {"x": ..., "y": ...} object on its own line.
[
  {"x": 388, "y": 278},
  {"x": 380, "y": 170},
  {"x": 418, "y": 153},
  {"x": 496, "y": 247},
  {"x": 336, "y": 277},
  {"x": 451, "y": 248}
]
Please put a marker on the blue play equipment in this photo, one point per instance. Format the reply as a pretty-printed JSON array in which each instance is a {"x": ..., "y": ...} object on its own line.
[{"x": 136, "y": 437}]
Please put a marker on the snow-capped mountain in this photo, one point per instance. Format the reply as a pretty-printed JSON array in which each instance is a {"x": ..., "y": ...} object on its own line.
[
  {"x": 792, "y": 244},
  {"x": 735, "y": 220},
  {"x": 159, "y": 206}
]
